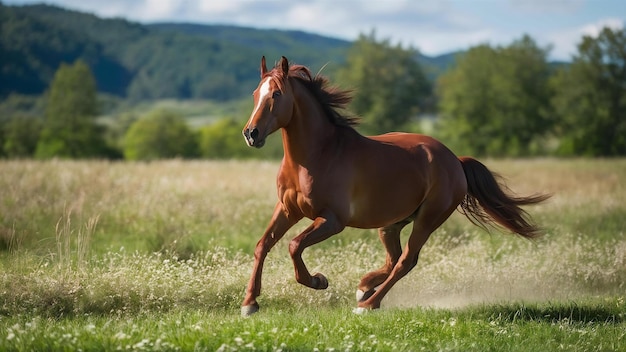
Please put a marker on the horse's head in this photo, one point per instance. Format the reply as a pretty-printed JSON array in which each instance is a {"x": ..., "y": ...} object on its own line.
[{"x": 273, "y": 104}]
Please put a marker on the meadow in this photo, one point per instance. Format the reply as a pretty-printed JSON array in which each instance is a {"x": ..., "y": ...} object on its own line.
[{"x": 100, "y": 256}]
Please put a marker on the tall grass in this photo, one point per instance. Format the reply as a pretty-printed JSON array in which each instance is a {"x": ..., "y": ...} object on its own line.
[
  {"x": 144, "y": 206},
  {"x": 154, "y": 256},
  {"x": 191, "y": 205}
]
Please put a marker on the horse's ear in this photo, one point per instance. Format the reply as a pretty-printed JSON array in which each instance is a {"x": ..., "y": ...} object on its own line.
[
  {"x": 263, "y": 66},
  {"x": 284, "y": 64}
]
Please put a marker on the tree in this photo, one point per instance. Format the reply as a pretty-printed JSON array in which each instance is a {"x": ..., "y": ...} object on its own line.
[
  {"x": 389, "y": 83},
  {"x": 464, "y": 94},
  {"x": 21, "y": 135},
  {"x": 69, "y": 127},
  {"x": 590, "y": 98},
  {"x": 495, "y": 101},
  {"x": 159, "y": 135},
  {"x": 20, "y": 125}
]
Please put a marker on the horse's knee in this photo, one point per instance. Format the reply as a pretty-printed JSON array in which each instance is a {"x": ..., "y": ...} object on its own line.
[
  {"x": 294, "y": 247},
  {"x": 260, "y": 251}
]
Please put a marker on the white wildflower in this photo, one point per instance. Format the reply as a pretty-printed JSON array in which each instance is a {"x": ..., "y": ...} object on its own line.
[
  {"x": 120, "y": 336},
  {"x": 141, "y": 344}
]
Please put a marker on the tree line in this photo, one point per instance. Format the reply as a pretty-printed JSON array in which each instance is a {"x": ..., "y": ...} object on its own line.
[
  {"x": 67, "y": 128},
  {"x": 495, "y": 101},
  {"x": 499, "y": 100},
  {"x": 509, "y": 101}
]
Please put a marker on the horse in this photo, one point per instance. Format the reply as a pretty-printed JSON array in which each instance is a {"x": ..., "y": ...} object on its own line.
[{"x": 337, "y": 177}]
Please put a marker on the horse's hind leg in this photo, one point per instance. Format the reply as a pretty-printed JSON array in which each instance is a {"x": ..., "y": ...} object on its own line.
[
  {"x": 432, "y": 214},
  {"x": 390, "y": 237}
]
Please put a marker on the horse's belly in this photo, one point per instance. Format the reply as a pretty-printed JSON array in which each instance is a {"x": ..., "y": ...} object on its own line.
[
  {"x": 393, "y": 177},
  {"x": 379, "y": 209}
]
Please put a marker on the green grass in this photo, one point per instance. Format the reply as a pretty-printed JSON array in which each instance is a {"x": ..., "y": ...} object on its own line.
[
  {"x": 98, "y": 255},
  {"x": 595, "y": 325}
]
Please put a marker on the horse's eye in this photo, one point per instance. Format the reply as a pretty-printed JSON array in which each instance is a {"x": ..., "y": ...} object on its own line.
[{"x": 276, "y": 94}]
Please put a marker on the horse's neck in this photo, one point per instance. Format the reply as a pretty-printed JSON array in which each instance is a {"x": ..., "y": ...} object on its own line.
[{"x": 308, "y": 134}]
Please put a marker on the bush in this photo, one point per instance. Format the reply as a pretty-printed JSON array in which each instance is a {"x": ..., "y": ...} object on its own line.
[
  {"x": 21, "y": 134},
  {"x": 223, "y": 140},
  {"x": 160, "y": 135}
]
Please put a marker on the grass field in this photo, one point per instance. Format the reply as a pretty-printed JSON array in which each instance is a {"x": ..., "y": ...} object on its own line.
[{"x": 98, "y": 255}]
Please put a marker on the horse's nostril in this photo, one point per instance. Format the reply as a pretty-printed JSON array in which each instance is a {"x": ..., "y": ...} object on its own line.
[{"x": 254, "y": 133}]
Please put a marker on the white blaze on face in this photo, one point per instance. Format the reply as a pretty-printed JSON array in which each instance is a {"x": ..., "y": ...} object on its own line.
[{"x": 264, "y": 91}]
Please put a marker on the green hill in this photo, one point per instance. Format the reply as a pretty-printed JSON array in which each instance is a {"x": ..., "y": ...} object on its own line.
[
  {"x": 156, "y": 61},
  {"x": 145, "y": 61}
]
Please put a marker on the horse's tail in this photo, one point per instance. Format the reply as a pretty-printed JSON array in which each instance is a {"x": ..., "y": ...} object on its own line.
[{"x": 489, "y": 201}]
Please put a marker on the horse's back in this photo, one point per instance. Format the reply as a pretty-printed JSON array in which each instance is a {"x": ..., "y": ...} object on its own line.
[
  {"x": 422, "y": 148},
  {"x": 401, "y": 170},
  {"x": 411, "y": 141}
]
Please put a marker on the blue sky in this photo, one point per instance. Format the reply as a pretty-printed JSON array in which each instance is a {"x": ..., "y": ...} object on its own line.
[{"x": 432, "y": 26}]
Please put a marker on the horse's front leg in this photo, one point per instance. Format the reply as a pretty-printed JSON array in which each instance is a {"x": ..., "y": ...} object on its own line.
[
  {"x": 277, "y": 228},
  {"x": 322, "y": 228}
]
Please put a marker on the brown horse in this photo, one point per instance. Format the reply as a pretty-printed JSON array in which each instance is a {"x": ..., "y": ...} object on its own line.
[{"x": 337, "y": 177}]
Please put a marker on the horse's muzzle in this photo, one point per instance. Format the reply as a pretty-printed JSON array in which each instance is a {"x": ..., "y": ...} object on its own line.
[{"x": 252, "y": 137}]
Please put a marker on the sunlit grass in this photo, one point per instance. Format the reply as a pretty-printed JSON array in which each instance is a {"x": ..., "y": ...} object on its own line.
[
  {"x": 591, "y": 325},
  {"x": 453, "y": 273},
  {"x": 144, "y": 206}
]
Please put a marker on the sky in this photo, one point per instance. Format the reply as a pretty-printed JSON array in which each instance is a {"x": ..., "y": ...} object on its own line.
[{"x": 434, "y": 27}]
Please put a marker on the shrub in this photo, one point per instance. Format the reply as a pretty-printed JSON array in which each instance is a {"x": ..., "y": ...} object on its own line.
[
  {"x": 223, "y": 140},
  {"x": 160, "y": 135}
]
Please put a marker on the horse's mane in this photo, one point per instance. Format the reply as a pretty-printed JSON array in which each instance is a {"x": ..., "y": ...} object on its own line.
[{"x": 331, "y": 98}]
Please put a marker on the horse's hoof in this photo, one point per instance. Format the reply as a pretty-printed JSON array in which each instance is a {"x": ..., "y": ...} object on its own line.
[
  {"x": 360, "y": 310},
  {"x": 248, "y": 310},
  {"x": 319, "y": 281}
]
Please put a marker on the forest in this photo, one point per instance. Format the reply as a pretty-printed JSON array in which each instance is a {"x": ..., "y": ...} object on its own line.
[{"x": 73, "y": 85}]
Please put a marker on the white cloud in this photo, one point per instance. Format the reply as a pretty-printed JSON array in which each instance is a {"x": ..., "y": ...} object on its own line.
[
  {"x": 212, "y": 6},
  {"x": 555, "y": 7},
  {"x": 594, "y": 29},
  {"x": 112, "y": 8},
  {"x": 565, "y": 41},
  {"x": 158, "y": 9},
  {"x": 433, "y": 27}
]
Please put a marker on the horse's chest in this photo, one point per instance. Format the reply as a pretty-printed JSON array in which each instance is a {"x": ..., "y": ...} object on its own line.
[
  {"x": 300, "y": 196},
  {"x": 296, "y": 204}
]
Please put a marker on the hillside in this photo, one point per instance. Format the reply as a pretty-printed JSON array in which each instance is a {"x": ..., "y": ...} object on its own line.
[
  {"x": 155, "y": 61},
  {"x": 303, "y": 47}
]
